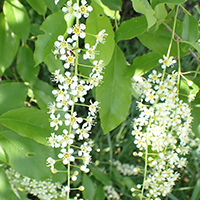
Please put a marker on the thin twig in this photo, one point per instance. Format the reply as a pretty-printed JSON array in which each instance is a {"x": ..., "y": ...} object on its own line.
[{"x": 177, "y": 37}]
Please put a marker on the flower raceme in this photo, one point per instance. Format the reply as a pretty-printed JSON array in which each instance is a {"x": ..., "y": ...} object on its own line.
[
  {"x": 70, "y": 130},
  {"x": 161, "y": 132}
]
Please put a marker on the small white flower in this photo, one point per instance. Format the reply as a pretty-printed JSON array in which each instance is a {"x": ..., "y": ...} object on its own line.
[
  {"x": 68, "y": 10},
  {"x": 75, "y": 121},
  {"x": 100, "y": 37},
  {"x": 77, "y": 30},
  {"x": 167, "y": 61},
  {"x": 55, "y": 121},
  {"x": 82, "y": 10},
  {"x": 66, "y": 156},
  {"x": 90, "y": 53}
]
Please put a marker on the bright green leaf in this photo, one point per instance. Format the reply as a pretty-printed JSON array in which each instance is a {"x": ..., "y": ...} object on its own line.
[
  {"x": 6, "y": 192},
  {"x": 89, "y": 191},
  {"x": 143, "y": 7},
  {"x": 12, "y": 95},
  {"x": 25, "y": 65},
  {"x": 100, "y": 176},
  {"x": 25, "y": 155},
  {"x": 142, "y": 64},
  {"x": 113, "y": 4},
  {"x": 131, "y": 28},
  {"x": 115, "y": 93},
  {"x": 156, "y": 2},
  {"x": 9, "y": 43},
  {"x": 96, "y": 22},
  {"x": 39, "y": 6},
  {"x": 28, "y": 122},
  {"x": 17, "y": 18},
  {"x": 44, "y": 43},
  {"x": 53, "y": 64},
  {"x": 190, "y": 23},
  {"x": 2, "y": 155}
]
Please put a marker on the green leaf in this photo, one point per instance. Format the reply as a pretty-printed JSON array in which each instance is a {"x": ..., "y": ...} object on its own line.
[
  {"x": 6, "y": 192},
  {"x": 25, "y": 65},
  {"x": 158, "y": 41},
  {"x": 43, "y": 94},
  {"x": 156, "y": 2},
  {"x": 2, "y": 155},
  {"x": 25, "y": 155},
  {"x": 100, "y": 176},
  {"x": 13, "y": 95},
  {"x": 131, "y": 28},
  {"x": 39, "y": 6},
  {"x": 113, "y": 4},
  {"x": 115, "y": 93},
  {"x": 143, "y": 64},
  {"x": 44, "y": 43},
  {"x": 9, "y": 43},
  {"x": 99, "y": 194},
  {"x": 53, "y": 64},
  {"x": 28, "y": 122},
  {"x": 89, "y": 191},
  {"x": 196, "y": 191},
  {"x": 17, "y": 18},
  {"x": 190, "y": 23},
  {"x": 143, "y": 7},
  {"x": 96, "y": 22}
]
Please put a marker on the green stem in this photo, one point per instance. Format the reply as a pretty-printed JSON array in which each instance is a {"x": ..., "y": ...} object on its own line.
[{"x": 173, "y": 31}]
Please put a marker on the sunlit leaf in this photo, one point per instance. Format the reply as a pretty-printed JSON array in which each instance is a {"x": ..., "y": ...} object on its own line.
[
  {"x": 96, "y": 22},
  {"x": 25, "y": 155},
  {"x": 145, "y": 8},
  {"x": 9, "y": 43},
  {"x": 44, "y": 43},
  {"x": 28, "y": 122},
  {"x": 17, "y": 18}
]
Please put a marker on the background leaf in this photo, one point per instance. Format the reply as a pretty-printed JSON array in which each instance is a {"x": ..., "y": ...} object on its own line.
[
  {"x": 25, "y": 65},
  {"x": 113, "y": 4},
  {"x": 143, "y": 64},
  {"x": 115, "y": 93},
  {"x": 9, "y": 43},
  {"x": 15, "y": 98},
  {"x": 89, "y": 191},
  {"x": 39, "y": 6},
  {"x": 44, "y": 43},
  {"x": 100, "y": 176},
  {"x": 25, "y": 155},
  {"x": 28, "y": 122},
  {"x": 96, "y": 22},
  {"x": 131, "y": 28},
  {"x": 145, "y": 8},
  {"x": 17, "y": 18},
  {"x": 190, "y": 23}
]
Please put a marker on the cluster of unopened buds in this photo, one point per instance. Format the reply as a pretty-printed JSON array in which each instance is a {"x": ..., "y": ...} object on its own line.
[
  {"x": 161, "y": 132},
  {"x": 71, "y": 131}
]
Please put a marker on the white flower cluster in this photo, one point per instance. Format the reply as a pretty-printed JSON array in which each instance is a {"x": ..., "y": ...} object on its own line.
[
  {"x": 45, "y": 190},
  {"x": 71, "y": 131},
  {"x": 111, "y": 193},
  {"x": 126, "y": 169},
  {"x": 161, "y": 132}
]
